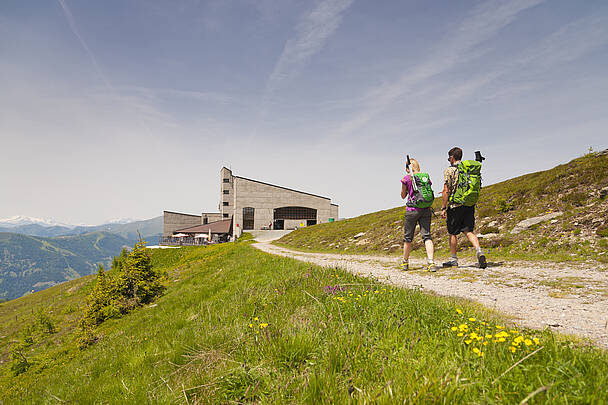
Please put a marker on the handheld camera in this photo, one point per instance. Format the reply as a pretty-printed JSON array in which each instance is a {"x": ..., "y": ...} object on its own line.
[{"x": 478, "y": 156}]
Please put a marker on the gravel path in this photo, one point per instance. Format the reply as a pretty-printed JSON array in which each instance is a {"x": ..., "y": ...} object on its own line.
[{"x": 571, "y": 299}]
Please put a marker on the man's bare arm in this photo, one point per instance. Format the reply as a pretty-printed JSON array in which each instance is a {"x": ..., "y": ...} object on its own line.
[
  {"x": 403, "y": 191},
  {"x": 445, "y": 195}
]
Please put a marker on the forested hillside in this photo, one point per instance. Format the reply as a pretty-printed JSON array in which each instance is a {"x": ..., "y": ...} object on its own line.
[{"x": 29, "y": 263}]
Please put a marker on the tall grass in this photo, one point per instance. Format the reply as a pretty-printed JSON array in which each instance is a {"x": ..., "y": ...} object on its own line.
[{"x": 239, "y": 326}]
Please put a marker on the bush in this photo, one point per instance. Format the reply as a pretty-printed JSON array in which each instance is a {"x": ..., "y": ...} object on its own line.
[
  {"x": 496, "y": 242},
  {"x": 19, "y": 363},
  {"x": 484, "y": 211},
  {"x": 489, "y": 229},
  {"x": 133, "y": 284},
  {"x": 602, "y": 231},
  {"x": 503, "y": 205},
  {"x": 576, "y": 198}
]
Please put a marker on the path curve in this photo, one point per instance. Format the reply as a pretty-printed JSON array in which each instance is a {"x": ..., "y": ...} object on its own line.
[{"x": 571, "y": 299}]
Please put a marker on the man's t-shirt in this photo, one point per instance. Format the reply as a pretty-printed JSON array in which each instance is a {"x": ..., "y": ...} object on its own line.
[
  {"x": 407, "y": 180},
  {"x": 450, "y": 177}
]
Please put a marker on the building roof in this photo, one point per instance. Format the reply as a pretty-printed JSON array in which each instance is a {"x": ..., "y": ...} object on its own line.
[
  {"x": 181, "y": 213},
  {"x": 284, "y": 188},
  {"x": 223, "y": 226}
]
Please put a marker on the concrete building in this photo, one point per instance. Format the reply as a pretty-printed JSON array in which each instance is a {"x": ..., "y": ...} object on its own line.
[{"x": 253, "y": 205}]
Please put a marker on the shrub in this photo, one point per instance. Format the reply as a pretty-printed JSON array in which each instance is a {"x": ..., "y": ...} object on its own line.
[
  {"x": 602, "y": 231},
  {"x": 19, "y": 363},
  {"x": 484, "y": 211},
  {"x": 503, "y": 205},
  {"x": 133, "y": 284},
  {"x": 489, "y": 229},
  {"x": 576, "y": 198},
  {"x": 119, "y": 261},
  {"x": 137, "y": 282}
]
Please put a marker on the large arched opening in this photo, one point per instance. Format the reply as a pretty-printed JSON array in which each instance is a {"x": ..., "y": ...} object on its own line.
[{"x": 285, "y": 215}]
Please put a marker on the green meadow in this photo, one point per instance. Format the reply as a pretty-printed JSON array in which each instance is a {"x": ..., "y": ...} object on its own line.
[{"x": 236, "y": 325}]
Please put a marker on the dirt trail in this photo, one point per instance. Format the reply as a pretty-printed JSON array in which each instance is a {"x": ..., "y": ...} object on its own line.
[{"x": 571, "y": 299}]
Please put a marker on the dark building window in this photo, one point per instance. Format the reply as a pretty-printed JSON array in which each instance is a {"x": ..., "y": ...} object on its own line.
[
  {"x": 226, "y": 180},
  {"x": 295, "y": 213},
  {"x": 225, "y": 215},
  {"x": 225, "y": 203},
  {"x": 248, "y": 216},
  {"x": 205, "y": 221},
  {"x": 226, "y": 191}
]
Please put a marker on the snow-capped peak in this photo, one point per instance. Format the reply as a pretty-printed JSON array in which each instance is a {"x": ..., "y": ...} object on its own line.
[
  {"x": 19, "y": 220},
  {"x": 120, "y": 221}
]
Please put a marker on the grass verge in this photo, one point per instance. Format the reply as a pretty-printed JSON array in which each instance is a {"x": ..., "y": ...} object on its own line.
[{"x": 237, "y": 325}]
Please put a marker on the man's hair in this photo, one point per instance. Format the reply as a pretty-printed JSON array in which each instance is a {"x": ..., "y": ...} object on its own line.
[
  {"x": 456, "y": 153},
  {"x": 415, "y": 165}
]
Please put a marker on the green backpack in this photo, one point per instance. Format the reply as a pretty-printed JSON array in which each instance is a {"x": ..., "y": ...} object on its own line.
[
  {"x": 469, "y": 183},
  {"x": 423, "y": 192}
]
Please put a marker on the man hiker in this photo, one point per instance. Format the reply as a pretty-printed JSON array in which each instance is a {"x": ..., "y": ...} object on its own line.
[
  {"x": 462, "y": 183},
  {"x": 417, "y": 188}
]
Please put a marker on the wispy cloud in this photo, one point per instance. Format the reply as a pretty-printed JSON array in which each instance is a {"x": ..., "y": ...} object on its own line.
[
  {"x": 458, "y": 47},
  {"x": 312, "y": 33},
  {"x": 76, "y": 32}
]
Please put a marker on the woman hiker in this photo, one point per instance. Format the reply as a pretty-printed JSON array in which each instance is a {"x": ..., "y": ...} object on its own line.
[{"x": 417, "y": 211}]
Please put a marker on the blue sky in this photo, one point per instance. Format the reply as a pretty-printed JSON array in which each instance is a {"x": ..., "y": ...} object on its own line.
[{"x": 125, "y": 108}]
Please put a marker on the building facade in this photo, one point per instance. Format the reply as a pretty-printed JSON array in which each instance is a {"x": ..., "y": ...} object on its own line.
[{"x": 253, "y": 204}]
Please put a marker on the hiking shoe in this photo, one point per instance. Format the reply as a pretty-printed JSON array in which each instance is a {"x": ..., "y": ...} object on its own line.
[
  {"x": 404, "y": 266},
  {"x": 432, "y": 268},
  {"x": 450, "y": 263},
  {"x": 481, "y": 259}
]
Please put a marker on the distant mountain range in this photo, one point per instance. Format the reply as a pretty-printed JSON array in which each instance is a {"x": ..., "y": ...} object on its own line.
[
  {"x": 38, "y": 253},
  {"x": 48, "y": 228},
  {"x": 33, "y": 263}
]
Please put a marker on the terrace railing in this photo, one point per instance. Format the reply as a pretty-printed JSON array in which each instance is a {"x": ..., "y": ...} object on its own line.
[{"x": 185, "y": 241}]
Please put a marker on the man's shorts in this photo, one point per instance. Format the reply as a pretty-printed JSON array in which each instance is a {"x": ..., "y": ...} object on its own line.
[
  {"x": 422, "y": 217},
  {"x": 461, "y": 219}
]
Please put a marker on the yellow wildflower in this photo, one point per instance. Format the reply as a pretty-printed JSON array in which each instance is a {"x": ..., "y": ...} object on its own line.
[
  {"x": 460, "y": 334},
  {"x": 472, "y": 319},
  {"x": 528, "y": 342},
  {"x": 251, "y": 325},
  {"x": 512, "y": 348},
  {"x": 488, "y": 336},
  {"x": 536, "y": 341},
  {"x": 459, "y": 311},
  {"x": 501, "y": 339},
  {"x": 475, "y": 350},
  {"x": 454, "y": 328},
  {"x": 468, "y": 341},
  {"x": 499, "y": 327},
  {"x": 255, "y": 319},
  {"x": 263, "y": 325}
]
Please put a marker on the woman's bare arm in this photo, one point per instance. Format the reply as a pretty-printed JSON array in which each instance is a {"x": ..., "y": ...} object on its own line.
[{"x": 403, "y": 191}]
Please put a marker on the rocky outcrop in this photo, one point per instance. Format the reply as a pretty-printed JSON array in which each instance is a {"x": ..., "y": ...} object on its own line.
[{"x": 527, "y": 223}]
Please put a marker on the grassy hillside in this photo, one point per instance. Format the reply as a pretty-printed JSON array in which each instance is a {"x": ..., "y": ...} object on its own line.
[
  {"x": 579, "y": 189},
  {"x": 240, "y": 326},
  {"x": 33, "y": 263}
]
